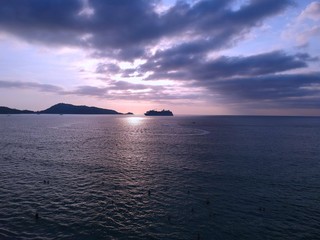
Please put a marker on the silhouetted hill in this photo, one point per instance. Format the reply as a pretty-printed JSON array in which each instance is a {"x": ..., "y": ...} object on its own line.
[
  {"x": 6, "y": 110},
  {"x": 63, "y": 108}
]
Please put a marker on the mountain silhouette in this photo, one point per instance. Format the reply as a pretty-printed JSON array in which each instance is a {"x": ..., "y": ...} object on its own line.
[
  {"x": 6, "y": 110},
  {"x": 61, "y": 108}
]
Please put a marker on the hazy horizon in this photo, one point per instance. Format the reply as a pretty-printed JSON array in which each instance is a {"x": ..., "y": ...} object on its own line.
[{"x": 179, "y": 114}]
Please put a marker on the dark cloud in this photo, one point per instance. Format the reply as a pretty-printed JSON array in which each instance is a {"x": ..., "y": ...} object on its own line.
[
  {"x": 109, "y": 68},
  {"x": 88, "y": 91},
  {"x": 190, "y": 68},
  {"x": 307, "y": 57},
  {"x": 248, "y": 81},
  {"x": 256, "y": 10},
  {"x": 31, "y": 85},
  {"x": 49, "y": 21},
  {"x": 286, "y": 90},
  {"x": 261, "y": 64},
  {"x": 116, "y": 90},
  {"x": 128, "y": 91},
  {"x": 125, "y": 29},
  {"x": 123, "y": 85}
]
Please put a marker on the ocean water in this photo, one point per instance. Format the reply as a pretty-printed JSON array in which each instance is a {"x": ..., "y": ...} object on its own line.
[{"x": 131, "y": 177}]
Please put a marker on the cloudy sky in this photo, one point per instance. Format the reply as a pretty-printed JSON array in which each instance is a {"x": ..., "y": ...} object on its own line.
[{"x": 190, "y": 56}]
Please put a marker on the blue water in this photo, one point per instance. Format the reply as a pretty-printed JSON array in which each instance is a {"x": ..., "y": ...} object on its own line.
[{"x": 128, "y": 177}]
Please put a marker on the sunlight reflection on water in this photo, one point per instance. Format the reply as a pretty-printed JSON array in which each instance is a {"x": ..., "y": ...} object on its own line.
[{"x": 134, "y": 121}]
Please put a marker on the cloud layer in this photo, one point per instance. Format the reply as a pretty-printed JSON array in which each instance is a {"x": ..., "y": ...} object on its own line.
[
  {"x": 177, "y": 44},
  {"x": 127, "y": 28}
]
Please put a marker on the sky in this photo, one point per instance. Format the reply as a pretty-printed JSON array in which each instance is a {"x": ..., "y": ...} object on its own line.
[{"x": 230, "y": 57}]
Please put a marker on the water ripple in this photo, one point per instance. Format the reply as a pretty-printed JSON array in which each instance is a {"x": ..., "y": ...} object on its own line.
[{"x": 174, "y": 178}]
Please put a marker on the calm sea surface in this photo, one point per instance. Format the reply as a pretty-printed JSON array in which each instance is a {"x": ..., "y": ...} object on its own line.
[{"x": 130, "y": 177}]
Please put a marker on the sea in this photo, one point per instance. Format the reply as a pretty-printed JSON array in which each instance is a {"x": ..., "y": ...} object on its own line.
[{"x": 136, "y": 177}]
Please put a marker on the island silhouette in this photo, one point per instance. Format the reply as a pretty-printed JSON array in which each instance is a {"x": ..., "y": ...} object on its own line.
[
  {"x": 6, "y": 110},
  {"x": 61, "y": 108}
]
